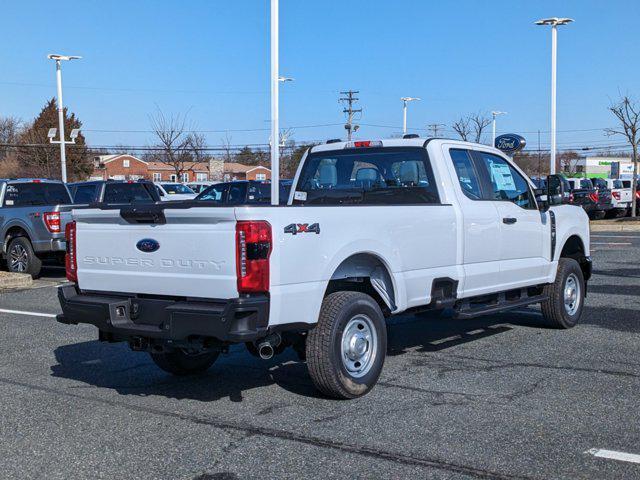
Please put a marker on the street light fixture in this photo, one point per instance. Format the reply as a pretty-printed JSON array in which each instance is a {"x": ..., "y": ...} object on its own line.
[
  {"x": 553, "y": 22},
  {"x": 63, "y": 158},
  {"x": 405, "y": 101},
  {"x": 285, "y": 79},
  {"x": 494, "y": 114}
]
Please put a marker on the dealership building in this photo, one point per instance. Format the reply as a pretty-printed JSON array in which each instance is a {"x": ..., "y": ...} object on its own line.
[{"x": 600, "y": 167}]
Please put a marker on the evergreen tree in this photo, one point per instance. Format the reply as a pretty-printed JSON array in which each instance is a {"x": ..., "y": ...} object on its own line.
[{"x": 38, "y": 158}]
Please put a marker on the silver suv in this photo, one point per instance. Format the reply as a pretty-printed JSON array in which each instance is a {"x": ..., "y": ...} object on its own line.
[{"x": 33, "y": 216}]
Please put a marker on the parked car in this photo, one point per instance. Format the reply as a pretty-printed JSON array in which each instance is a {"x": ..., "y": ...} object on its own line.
[
  {"x": 595, "y": 201},
  {"x": 373, "y": 229},
  {"x": 113, "y": 191},
  {"x": 199, "y": 187},
  {"x": 620, "y": 197},
  {"x": 244, "y": 192},
  {"x": 33, "y": 215},
  {"x": 174, "y": 191}
]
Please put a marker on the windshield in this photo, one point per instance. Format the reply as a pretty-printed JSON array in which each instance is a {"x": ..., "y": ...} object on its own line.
[
  {"x": 173, "y": 188},
  {"x": 371, "y": 176}
]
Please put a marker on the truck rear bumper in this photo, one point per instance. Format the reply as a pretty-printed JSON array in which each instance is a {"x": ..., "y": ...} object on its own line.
[{"x": 123, "y": 317}]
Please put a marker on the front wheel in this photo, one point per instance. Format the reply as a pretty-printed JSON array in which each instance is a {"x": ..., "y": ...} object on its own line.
[
  {"x": 346, "y": 350},
  {"x": 565, "y": 301},
  {"x": 180, "y": 362}
]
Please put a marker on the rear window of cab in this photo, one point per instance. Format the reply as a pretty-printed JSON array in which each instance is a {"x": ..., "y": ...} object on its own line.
[
  {"x": 35, "y": 194},
  {"x": 367, "y": 176}
]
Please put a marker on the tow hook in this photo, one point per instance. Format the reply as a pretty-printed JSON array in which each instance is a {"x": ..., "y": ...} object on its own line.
[{"x": 267, "y": 346}]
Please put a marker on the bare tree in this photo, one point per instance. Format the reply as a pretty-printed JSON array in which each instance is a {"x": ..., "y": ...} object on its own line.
[
  {"x": 569, "y": 162},
  {"x": 462, "y": 127},
  {"x": 176, "y": 145},
  {"x": 480, "y": 121},
  {"x": 627, "y": 112},
  {"x": 9, "y": 133},
  {"x": 226, "y": 145}
]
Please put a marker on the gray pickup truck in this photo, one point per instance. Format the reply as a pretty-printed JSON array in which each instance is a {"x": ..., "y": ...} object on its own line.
[{"x": 33, "y": 216}]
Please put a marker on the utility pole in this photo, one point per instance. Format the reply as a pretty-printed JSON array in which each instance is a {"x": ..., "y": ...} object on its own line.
[
  {"x": 539, "y": 157},
  {"x": 434, "y": 127},
  {"x": 350, "y": 98}
]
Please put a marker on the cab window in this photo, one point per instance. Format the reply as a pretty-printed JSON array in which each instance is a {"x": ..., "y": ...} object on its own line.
[
  {"x": 505, "y": 182},
  {"x": 368, "y": 176},
  {"x": 467, "y": 175}
]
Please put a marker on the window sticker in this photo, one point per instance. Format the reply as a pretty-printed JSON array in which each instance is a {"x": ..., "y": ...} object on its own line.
[{"x": 501, "y": 176}]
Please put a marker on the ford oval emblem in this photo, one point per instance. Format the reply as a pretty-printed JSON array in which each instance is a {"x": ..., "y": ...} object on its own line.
[
  {"x": 510, "y": 143},
  {"x": 148, "y": 245}
]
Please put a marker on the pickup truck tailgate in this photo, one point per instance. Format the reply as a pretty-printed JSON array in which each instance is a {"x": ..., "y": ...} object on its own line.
[{"x": 190, "y": 252}]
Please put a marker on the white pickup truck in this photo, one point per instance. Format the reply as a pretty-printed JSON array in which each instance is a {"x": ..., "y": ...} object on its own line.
[{"x": 371, "y": 229}]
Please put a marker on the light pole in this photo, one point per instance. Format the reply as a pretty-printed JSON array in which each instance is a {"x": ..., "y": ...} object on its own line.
[
  {"x": 405, "y": 101},
  {"x": 62, "y": 142},
  {"x": 494, "y": 114},
  {"x": 275, "y": 120},
  {"x": 553, "y": 22}
]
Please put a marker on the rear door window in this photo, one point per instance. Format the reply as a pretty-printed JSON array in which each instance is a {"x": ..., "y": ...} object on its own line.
[
  {"x": 368, "y": 176},
  {"x": 36, "y": 194},
  {"x": 237, "y": 193}
]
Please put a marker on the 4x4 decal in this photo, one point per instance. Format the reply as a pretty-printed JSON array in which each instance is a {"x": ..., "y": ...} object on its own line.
[{"x": 295, "y": 228}]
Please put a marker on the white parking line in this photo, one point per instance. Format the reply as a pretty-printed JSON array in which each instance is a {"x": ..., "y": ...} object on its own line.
[
  {"x": 615, "y": 236},
  {"x": 32, "y": 314},
  {"x": 610, "y": 243},
  {"x": 613, "y": 455}
]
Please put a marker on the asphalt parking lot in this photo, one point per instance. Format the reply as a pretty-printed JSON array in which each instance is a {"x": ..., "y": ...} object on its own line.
[{"x": 498, "y": 398}]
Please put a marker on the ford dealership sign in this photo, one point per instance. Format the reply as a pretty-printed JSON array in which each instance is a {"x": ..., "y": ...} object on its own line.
[{"x": 510, "y": 143}]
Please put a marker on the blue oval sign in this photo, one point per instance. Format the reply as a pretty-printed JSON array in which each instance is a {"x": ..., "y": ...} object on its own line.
[
  {"x": 510, "y": 143},
  {"x": 148, "y": 245}
]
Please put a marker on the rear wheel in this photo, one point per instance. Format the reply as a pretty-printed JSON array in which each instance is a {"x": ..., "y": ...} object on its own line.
[
  {"x": 346, "y": 350},
  {"x": 21, "y": 258},
  {"x": 180, "y": 362},
  {"x": 565, "y": 300}
]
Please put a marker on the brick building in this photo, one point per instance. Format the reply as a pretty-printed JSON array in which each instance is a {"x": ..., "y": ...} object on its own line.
[
  {"x": 119, "y": 167},
  {"x": 237, "y": 171},
  {"x": 192, "y": 172},
  {"x": 128, "y": 167}
]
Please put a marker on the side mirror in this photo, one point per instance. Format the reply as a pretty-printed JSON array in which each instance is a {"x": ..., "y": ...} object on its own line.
[
  {"x": 555, "y": 190},
  {"x": 542, "y": 199}
]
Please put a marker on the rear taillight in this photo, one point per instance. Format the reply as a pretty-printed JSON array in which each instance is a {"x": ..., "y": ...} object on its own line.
[
  {"x": 637, "y": 193},
  {"x": 253, "y": 247},
  {"x": 594, "y": 197},
  {"x": 70, "y": 261},
  {"x": 571, "y": 198},
  {"x": 616, "y": 195},
  {"x": 52, "y": 221}
]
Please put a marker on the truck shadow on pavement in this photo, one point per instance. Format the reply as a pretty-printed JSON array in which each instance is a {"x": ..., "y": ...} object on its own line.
[{"x": 116, "y": 367}]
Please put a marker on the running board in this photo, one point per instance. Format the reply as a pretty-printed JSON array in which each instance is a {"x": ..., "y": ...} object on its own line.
[{"x": 499, "y": 303}]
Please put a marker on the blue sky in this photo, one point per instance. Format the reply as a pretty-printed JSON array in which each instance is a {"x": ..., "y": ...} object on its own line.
[{"x": 210, "y": 59}]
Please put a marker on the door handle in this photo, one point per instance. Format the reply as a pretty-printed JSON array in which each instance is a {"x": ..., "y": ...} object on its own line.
[{"x": 509, "y": 220}]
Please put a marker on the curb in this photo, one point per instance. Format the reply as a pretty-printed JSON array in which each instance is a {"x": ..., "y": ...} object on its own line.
[{"x": 15, "y": 280}]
